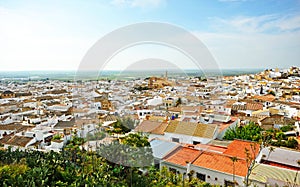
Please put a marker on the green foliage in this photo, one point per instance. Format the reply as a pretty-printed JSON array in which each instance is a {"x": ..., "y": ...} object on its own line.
[
  {"x": 287, "y": 128},
  {"x": 76, "y": 167},
  {"x": 291, "y": 143},
  {"x": 131, "y": 150},
  {"x": 56, "y": 137},
  {"x": 76, "y": 141},
  {"x": 272, "y": 92},
  {"x": 135, "y": 140},
  {"x": 253, "y": 132},
  {"x": 33, "y": 168},
  {"x": 128, "y": 122},
  {"x": 96, "y": 136},
  {"x": 122, "y": 126},
  {"x": 250, "y": 132}
]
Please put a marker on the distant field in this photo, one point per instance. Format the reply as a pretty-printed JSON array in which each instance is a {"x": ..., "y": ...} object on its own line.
[{"x": 94, "y": 75}]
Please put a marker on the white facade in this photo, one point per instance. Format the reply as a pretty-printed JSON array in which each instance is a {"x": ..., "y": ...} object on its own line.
[
  {"x": 179, "y": 169},
  {"x": 155, "y": 101},
  {"x": 216, "y": 177},
  {"x": 142, "y": 113},
  {"x": 185, "y": 138}
]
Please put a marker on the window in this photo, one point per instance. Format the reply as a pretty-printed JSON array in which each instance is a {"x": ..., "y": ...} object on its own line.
[
  {"x": 200, "y": 176},
  {"x": 228, "y": 183},
  {"x": 175, "y": 140},
  {"x": 216, "y": 178},
  {"x": 173, "y": 170},
  {"x": 196, "y": 142}
]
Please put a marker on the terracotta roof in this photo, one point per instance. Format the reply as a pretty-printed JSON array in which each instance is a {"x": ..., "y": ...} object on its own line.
[
  {"x": 21, "y": 141},
  {"x": 221, "y": 163},
  {"x": 211, "y": 148},
  {"x": 238, "y": 107},
  {"x": 182, "y": 156},
  {"x": 280, "y": 165},
  {"x": 268, "y": 97},
  {"x": 223, "y": 126},
  {"x": 191, "y": 108},
  {"x": 229, "y": 103},
  {"x": 254, "y": 106},
  {"x": 237, "y": 148},
  {"x": 147, "y": 126}
]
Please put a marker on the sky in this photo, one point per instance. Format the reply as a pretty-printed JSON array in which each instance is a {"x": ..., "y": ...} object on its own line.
[{"x": 57, "y": 34}]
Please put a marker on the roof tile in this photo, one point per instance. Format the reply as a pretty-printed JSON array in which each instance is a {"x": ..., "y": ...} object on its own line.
[{"x": 221, "y": 163}]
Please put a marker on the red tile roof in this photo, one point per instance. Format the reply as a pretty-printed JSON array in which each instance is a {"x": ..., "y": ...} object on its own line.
[
  {"x": 280, "y": 165},
  {"x": 221, "y": 163},
  {"x": 147, "y": 126},
  {"x": 183, "y": 156},
  {"x": 268, "y": 97},
  {"x": 237, "y": 148},
  {"x": 254, "y": 106},
  {"x": 211, "y": 148}
]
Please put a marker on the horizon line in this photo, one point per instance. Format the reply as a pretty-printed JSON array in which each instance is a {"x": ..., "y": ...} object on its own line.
[{"x": 74, "y": 70}]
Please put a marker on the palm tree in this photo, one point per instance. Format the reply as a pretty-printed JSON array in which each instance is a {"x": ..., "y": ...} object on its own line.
[
  {"x": 295, "y": 180},
  {"x": 233, "y": 159}
]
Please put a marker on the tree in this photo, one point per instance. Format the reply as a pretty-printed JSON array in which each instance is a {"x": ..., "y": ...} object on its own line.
[
  {"x": 251, "y": 155},
  {"x": 128, "y": 122},
  {"x": 294, "y": 183},
  {"x": 122, "y": 126},
  {"x": 255, "y": 133},
  {"x": 136, "y": 140},
  {"x": 286, "y": 128},
  {"x": 132, "y": 150},
  {"x": 250, "y": 132},
  {"x": 233, "y": 159},
  {"x": 272, "y": 92},
  {"x": 34, "y": 168},
  {"x": 291, "y": 143}
]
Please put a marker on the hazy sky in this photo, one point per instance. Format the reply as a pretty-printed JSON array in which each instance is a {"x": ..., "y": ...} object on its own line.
[{"x": 55, "y": 35}]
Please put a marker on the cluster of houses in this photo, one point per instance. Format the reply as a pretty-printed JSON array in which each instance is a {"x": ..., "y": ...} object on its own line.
[
  {"x": 227, "y": 164},
  {"x": 185, "y": 118}
]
